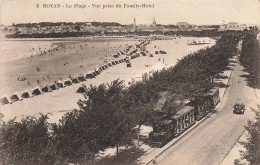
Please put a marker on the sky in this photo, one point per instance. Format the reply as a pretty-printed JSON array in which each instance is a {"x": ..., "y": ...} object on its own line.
[{"x": 200, "y": 12}]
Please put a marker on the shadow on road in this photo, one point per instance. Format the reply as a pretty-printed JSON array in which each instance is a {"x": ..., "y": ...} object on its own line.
[
  {"x": 249, "y": 79},
  {"x": 221, "y": 77},
  {"x": 125, "y": 157},
  {"x": 220, "y": 85}
]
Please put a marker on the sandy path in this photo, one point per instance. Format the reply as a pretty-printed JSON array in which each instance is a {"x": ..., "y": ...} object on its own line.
[{"x": 62, "y": 100}]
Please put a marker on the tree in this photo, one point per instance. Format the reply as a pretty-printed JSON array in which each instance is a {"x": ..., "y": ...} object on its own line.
[
  {"x": 106, "y": 116},
  {"x": 252, "y": 145},
  {"x": 25, "y": 142}
]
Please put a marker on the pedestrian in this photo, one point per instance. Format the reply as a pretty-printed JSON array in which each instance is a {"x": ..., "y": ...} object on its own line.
[
  {"x": 28, "y": 83},
  {"x": 155, "y": 162},
  {"x": 38, "y": 81}
]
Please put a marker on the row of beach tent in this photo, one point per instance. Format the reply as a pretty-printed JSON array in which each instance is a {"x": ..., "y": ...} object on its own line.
[
  {"x": 63, "y": 83},
  {"x": 59, "y": 84}
]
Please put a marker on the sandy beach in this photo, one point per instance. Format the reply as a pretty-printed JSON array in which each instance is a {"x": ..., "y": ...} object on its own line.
[
  {"x": 60, "y": 60},
  {"x": 60, "y": 101}
]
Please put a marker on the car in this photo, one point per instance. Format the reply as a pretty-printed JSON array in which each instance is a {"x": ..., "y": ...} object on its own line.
[{"x": 239, "y": 108}]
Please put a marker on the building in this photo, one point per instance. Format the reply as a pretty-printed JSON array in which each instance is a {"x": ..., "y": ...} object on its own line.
[
  {"x": 233, "y": 26},
  {"x": 182, "y": 24},
  {"x": 154, "y": 22}
]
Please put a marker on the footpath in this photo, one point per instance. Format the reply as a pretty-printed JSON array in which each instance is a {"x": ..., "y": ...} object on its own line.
[{"x": 152, "y": 153}]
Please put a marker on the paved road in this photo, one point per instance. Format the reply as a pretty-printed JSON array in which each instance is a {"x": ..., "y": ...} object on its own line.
[{"x": 213, "y": 139}]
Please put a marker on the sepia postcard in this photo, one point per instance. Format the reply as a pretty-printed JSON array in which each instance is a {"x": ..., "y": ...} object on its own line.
[{"x": 130, "y": 82}]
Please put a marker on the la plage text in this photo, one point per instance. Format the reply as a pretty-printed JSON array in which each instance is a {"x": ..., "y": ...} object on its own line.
[{"x": 63, "y": 6}]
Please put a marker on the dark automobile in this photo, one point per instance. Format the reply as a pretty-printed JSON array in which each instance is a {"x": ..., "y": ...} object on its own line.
[{"x": 239, "y": 108}]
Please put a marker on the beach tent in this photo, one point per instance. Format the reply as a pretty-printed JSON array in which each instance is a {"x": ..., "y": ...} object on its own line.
[
  {"x": 144, "y": 54},
  {"x": 89, "y": 75},
  {"x": 46, "y": 88},
  {"x": 26, "y": 94},
  {"x": 100, "y": 69},
  {"x": 36, "y": 91},
  {"x": 81, "y": 89},
  {"x": 117, "y": 62},
  {"x": 116, "y": 56},
  {"x": 106, "y": 66},
  {"x": 113, "y": 63},
  {"x": 103, "y": 67},
  {"x": 96, "y": 72},
  {"x": 67, "y": 82},
  {"x": 81, "y": 78},
  {"x": 16, "y": 97},
  {"x": 75, "y": 80},
  {"x": 60, "y": 84},
  {"x": 110, "y": 64},
  {"x": 5, "y": 100},
  {"x": 54, "y": 86}
]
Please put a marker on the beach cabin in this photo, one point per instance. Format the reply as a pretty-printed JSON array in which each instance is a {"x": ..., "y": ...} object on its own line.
[{"x": 5, "y": 100}]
